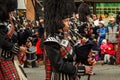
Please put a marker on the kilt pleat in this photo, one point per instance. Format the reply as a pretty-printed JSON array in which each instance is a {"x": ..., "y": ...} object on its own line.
[
  {"x": 8, "y": 70},
  {"x": 1, "y": 75},
  {"x": 60, "y": 76}
]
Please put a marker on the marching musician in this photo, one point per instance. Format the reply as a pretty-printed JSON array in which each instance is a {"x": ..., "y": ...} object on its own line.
[
  {"x": 58, "y": 48},
  {"x": 7, "y": 46},
  {"x": 84, "y": 19}
]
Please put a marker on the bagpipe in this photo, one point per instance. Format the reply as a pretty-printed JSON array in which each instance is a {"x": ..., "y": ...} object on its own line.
[
  {"x": 82, "y": 51},
  {"x": 19, "y": 25}
]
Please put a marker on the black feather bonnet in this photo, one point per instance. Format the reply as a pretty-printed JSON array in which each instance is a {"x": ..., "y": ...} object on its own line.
[
  {"x": 83, "y": 11},
  {"x": 55, "y": 11},
  {"x": 7, "y": 6}
]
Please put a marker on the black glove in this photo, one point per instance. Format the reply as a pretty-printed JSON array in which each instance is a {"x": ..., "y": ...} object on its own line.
[{"x": 15, "y": 49}]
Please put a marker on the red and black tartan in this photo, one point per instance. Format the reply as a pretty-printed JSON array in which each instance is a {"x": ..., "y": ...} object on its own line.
[
  {"x": 118, "y": 50},
  {"x": 8, "y": 70},
  {"x": 48, "y": 67}
]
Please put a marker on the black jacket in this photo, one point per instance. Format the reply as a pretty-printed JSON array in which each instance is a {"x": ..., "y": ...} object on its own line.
[
  {"x": 57, "y": 61},
  {"x": 5, "y": 42}
]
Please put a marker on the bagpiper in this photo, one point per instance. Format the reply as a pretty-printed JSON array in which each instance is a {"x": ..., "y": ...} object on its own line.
[
  {"x": 7, "y": 47},
  {"x": 61, "y": 56}
]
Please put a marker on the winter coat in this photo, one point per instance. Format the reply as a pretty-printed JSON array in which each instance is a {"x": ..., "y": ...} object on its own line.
[
  {"x": 110, "y": 49},
  {"x": 102, "y": 33},
  {"x": 112, "y": 33},
  {"x": 38, "y": 48},
  {"x": 103, "y": 48}
]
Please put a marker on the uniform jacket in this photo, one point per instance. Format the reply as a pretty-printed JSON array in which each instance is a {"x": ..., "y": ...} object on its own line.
[{"x": 62, "y": 58}]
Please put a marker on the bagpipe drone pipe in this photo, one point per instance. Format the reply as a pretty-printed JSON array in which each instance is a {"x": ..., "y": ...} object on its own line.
[{"x": 82, "y": 51}]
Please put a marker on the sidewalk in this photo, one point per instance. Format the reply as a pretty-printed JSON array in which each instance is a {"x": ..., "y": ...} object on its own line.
[{"x": 103, "y": 72}]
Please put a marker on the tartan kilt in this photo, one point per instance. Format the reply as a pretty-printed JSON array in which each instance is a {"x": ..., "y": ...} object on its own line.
[
  {"x": 8, "y": 70},
  {"x": 62, "y": 76}
]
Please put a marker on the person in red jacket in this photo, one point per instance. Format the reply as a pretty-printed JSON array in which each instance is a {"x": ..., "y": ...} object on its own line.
[
  {"x": 39, "y": 50},
  {"x": 111, "y": 52},
  {"x": 110, "y": 49}
]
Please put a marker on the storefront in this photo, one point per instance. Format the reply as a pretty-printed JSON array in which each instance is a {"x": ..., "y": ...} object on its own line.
[
  {"x": 101, "y": 6},
  {"x": 107, "y": 7}
]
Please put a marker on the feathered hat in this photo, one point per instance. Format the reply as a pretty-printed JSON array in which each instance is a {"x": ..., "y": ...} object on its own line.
[
  {"x": 55, "y": 11},
  {"x": 12, "y": 5},
  {"x": 5, "y": 7},
  {"x": 83, "y": 11}
]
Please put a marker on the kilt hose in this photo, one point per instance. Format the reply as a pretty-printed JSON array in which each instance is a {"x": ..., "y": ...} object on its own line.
[
  {"x": 8, "y": 70},
  {"x": 48, "y": 69}
]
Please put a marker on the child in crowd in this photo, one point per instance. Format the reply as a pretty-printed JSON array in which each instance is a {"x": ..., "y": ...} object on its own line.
[
  {"x": 103, "y": 48},
  {"x": 31, "y": 54},
  {"x": 107, "y": 51},
  {"x": 111, "y": 53}
]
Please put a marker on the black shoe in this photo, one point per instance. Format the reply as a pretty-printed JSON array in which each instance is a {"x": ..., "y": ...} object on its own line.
[
  {"x": 26, "y": 67},
  {"x": 34, "y": 64},
  {"x": 93, "y": 73},
  {"x": 104, "y": 63}
]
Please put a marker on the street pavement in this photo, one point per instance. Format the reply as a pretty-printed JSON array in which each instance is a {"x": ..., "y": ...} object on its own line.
[
  {"x": 103, "y": 72},
  {"x": 35, "y": 73}
]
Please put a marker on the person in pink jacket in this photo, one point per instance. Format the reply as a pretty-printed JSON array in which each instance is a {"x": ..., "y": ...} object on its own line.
[
  {"x": 111, "y": 52},
  {"x": 103, "y": 48},
  {"x": 107, "y": 50}
]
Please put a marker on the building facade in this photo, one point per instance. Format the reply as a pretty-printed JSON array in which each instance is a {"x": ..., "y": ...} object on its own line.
[{"x": 101, "y": 6}]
